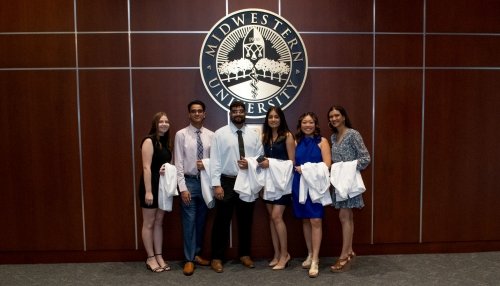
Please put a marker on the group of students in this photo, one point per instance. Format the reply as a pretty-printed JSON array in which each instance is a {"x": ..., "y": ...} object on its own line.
[{"x": 231, "y": 150}]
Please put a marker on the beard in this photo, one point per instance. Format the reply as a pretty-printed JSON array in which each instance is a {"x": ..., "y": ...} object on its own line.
[{"x": 240, "y": 119}]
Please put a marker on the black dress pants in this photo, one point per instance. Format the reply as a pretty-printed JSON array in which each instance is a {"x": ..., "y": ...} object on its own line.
[{"x": 222, "y": 221}]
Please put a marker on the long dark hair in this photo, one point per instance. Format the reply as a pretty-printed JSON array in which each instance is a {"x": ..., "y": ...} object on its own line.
[
  {"x": 317, "y": 132},
  {"x": 342, "y": 111},
  {"x": 159, "y": 141},
  {"x": 282, "y": 128}
]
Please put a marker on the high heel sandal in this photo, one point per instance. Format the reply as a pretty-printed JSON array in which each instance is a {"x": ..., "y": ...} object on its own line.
[
  {"x": 352, "y": 257},
  {"x": 314, "y": 271},
  {"x": 281, "y": 267},
  {"x": 165, "y": 267},
  {"x": 307, "y": 263},
  {"x": 156, "y": 269},
  {"x": 342, "y": 264},
  {"x": 273, "y": 262}
]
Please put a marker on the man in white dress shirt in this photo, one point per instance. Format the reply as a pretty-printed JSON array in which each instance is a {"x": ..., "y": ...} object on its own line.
[
  {"x": 226, "y": 158},
  {"x": 192, "y": 144}
]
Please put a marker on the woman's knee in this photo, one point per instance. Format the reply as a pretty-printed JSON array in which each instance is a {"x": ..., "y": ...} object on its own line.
[
  {"x": 316, "y": 222},
  {"x": 345, "y": 215}
]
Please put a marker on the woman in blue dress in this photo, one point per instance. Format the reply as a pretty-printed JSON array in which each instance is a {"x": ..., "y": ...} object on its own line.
[
  {"x": 313, "y": 148},
  {"x": 347, "y": 145},
  {"x": 278, "y": 143}
]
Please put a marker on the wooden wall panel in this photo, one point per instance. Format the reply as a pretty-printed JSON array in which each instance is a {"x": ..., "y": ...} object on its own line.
[
  {"x": 327, "y": 50},
  {"x": 103, "y": 50},
  {"x": 36, "y": 16},
  {"x": 463, "y": 16},
  {"x": 249, "y": 4},
  {"x": 329, "y": 16},
  {"x": 153, "y": 50},
  {"x": 37, "y": 51},
  {"x": 41, "y": 194},
  {"x": 463, "y": 51},
  {"x": 399, "y": 16},
  {"x": 399, "y": 50},
  {"x": 398, "y": 116},
  {"x": 176, "y": 15},
  {"x": 107, "y": 161},
  {"x": 102, "y": 15},
  {"x": 461, "y": 156}
]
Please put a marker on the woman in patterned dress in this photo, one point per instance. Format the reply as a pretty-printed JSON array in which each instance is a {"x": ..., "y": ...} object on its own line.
[{"x": 347, "y": 145}]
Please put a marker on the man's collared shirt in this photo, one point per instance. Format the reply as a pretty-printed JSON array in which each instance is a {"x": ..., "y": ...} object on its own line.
[
  {"x": 224, "y": 152},
  {"x": 185, "y": 152}
]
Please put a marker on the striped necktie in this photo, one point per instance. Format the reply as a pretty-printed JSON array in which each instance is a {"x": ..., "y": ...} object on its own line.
[{"x": 199, "y": 145}]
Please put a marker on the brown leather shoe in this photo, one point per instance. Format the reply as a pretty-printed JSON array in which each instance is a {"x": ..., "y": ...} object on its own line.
[
  {"x": 217, "y": 266},
  {"x": 188, "y": 268},
  {"x": 247, "y": 261},
  {"x": 200, "y": 261}
]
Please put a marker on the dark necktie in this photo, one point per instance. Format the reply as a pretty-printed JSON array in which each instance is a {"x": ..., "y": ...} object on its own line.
[
  {"x": 199, "y": 145},
  {"x": 241, "y": 146}
]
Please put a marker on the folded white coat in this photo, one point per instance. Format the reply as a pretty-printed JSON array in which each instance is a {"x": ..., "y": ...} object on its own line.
[
  {"x": 249, "y": 181},
  {"x": 167, "y": 188},
  {"x": 347, "y": 180},
  {"x": 278, "y": 179},
  {"x": 315, "y": 181},
  {"x": 206, "y": 187}
]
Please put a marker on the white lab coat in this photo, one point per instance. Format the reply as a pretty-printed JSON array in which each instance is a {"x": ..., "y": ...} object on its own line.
[
  {"x": 249, "y": 181},
  {"x": 278, "y": 180},
  {"x": 206, "y": 186},
  {"x": 315, "y": 181},
  {"x": 347, "y": 180},
  {"x": 167, "y": 187}
]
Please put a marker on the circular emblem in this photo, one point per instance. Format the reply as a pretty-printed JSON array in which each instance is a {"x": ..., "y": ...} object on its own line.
[{"x": 254, "y": 56}]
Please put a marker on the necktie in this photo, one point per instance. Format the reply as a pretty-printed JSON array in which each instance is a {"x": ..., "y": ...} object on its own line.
[
  {"x": 199, "y": 144},
  {"x": 241, "y": 146}
]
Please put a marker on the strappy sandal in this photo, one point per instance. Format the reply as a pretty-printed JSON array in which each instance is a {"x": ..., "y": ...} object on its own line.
[
  {"x": 156, "y": 269},
  {"x": 165, "y": 267},
  {"x": 352, "y": 257},
  {"x": 314, "y": 271},
  {"x": 342, "y": 264},
  {"x": 307, "y": 263}
]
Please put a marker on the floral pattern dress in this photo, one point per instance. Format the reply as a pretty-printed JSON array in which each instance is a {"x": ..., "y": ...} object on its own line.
[{"x": 350, "y": 148}]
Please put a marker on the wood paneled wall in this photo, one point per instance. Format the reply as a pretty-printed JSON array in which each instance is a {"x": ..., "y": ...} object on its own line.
[{"x": 81, "y": 80}]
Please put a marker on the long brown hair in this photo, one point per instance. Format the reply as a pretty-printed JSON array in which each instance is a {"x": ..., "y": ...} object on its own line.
[{"x": 158, "y": 141}]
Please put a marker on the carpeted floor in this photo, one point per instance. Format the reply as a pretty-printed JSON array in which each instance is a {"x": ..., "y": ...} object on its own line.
[{"x": 424, "y": 269}]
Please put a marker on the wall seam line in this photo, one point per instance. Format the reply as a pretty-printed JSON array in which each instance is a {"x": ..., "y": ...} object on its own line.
[{"x": 78, "y": 112}]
